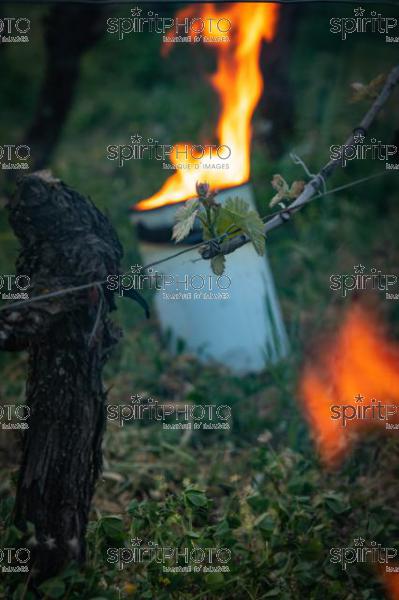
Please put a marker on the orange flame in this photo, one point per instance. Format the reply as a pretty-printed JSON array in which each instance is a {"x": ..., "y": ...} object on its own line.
[
  {"x": 360, "y": 361},
  {"x": 391, "y": 582},
  {"x": 238, "y": 82}
]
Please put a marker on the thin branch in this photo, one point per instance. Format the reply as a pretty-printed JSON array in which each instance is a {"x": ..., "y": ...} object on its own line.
[
  {"x": 345, "y": 186},
  {"x": 309, "y": 192},
  {"x": 85, "y": 286}
]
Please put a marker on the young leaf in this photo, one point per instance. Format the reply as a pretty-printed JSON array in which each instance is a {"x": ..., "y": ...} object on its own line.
[
  {"x": 284, "y": 192},
  {"x": 369, "y": 91},
  {"x": 185, "y": 218},
  {"x": 253, "y": 227},
  {"x": 282, "y": 189},
  {"x": 279, "y": 183},
  {"x": 296, "y": 189},
  {"x": 236, "y": 212}
]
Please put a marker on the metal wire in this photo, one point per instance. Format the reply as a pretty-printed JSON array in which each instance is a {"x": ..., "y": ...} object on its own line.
[{"x": 218, "y": 239}]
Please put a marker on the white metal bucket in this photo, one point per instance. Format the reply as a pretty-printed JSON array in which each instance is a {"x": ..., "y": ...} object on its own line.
[{"x": 239, "y": 326}]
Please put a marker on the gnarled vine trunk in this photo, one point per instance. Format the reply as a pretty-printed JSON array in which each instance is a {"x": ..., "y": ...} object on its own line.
[{"x": 65, "y": 241}]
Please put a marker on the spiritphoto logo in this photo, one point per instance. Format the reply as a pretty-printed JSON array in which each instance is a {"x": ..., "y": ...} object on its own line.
[
  {"x": 178, "y": 29},
  {"x": 362, "y": 22},
  {"x": 361, "y": 151},
  {"x": 173, "y": 287},
  {"x": 14, "y": 416},
  {"x": 13, "y": 287},
  {"x": 180, "y": 156},
  {"x": 13, "y": 157},
  {"x": 363, "y": 410},
  {"x": 172, "y": 559},
  {"x": 14, "y": 30},
  {"x": 14, "y": 560},
  {"x": 360, "y": 553},
  {"x": 361, "y": 281},
  {"x": 172, "y": 416}
]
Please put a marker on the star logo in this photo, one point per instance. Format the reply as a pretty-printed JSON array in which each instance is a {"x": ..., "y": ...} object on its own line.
[
  {"x": 358, "y": 138},
  {"x": 136, "y": 268},
  {"x": 358, "y": 12},
  {"x": 32, "y": 541},
  {"x": 359, "y": 269},
  {"x": 135, "y": 399},
  {"x": 359, "y": 398},
  {"x": 50, "y": 542},
  {"x": 136, "y": 138},
  {"x": 136, "y": 12},
  {"x": 359, "y": 541},
  {"x": 136, "y": 542},
  {"x": 73, "y": 543}
]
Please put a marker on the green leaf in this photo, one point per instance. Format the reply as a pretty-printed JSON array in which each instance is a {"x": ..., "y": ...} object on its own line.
[
  {"x": 214, "y": 579},
  {"x": 234, "y": 521},
  {"x": 336, "y": 502},
  {"x": 280, "y": 559},
  {"x": 185, "y": 218},
  {"x": 218, "y": 264},
  {"x": 223, "y": 528},
  {"x": 265, "y": 523},
  {"x": 53, "y": 588},
  {"x": 196, "y": 497},
  {"x": 112, "y": 528},
  {"x": 258, "y": 503},
  {"x": 312, "y": 549},
  {"x": 193, "y": 534},
  {"x": 299, "y": 485},
  {"x": 133, "y": 507},
  {"x": 273, "y": 593},
  {"x": 236, "y": 213}
]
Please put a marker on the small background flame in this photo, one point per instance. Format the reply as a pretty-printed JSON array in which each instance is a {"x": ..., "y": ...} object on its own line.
[{"x": 360, "y": 359}]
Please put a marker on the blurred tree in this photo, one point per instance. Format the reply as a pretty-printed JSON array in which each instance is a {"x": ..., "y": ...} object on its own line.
[
  {"x": 277, "y": 103},
  {"x": 70, "y": 31}
]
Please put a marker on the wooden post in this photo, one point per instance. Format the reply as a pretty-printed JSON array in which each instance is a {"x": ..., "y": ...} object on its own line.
[{"x": 65, "y": 241}]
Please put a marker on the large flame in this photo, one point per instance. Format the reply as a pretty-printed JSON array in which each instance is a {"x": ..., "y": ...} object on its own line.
[
  {"x": 360, "y": 360},
  {"x": 238, "y": 82}
]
